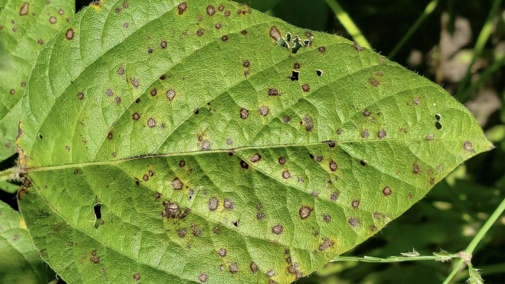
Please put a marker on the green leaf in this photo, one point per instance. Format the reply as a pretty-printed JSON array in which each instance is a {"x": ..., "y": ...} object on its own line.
[
  {"x": 20, "y": 261},
  {"x": 163, "y": 149},
  {"x": 8, "y": 187},
  {"x": 25, "y": 27}
]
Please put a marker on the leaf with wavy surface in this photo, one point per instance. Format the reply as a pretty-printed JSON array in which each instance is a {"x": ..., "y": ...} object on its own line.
[{"x": 203, "y": 141}]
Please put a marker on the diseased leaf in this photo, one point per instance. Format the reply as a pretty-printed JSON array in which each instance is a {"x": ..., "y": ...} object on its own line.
[
  {"x": 25, "y": 27},
  {"x": 20, "y": 262},
  {"x": 204, "y": 141}
]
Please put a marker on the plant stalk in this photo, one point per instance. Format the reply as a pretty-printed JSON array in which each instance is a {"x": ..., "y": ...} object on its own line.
[
  {"x": 348, "y": 24},
  {"x": 395, "y": 258}
]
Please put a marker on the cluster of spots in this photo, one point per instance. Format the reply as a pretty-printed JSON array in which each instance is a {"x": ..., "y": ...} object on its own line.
[
  {"x": 182, "y": 7},
  {"x": 309, "y": 126},
  {"x": 304, "y": 212},
  {"x": 327, "y": 243},
  {"x": 95, "y": 259},
  {"x": 293, "y": 269},
  {"x": 172, "y": 211}
]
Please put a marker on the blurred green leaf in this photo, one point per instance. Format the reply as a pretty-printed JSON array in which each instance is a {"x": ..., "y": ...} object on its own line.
[
  {"x": 261, "y": 5},
  {"x": 8, "y": 187},
  {"x": 314, "y": 15},
  {"x": 20, "y": 261}
]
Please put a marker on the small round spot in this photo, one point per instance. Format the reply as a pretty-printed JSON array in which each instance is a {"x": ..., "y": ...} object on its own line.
[
  {"x": 255, "y": 158},
  {"x": 136, "y": 276},
  {"x": 254, "y": 267},
  {"x": 182, "y": 233},
  {"x": 182, "y": 163},
  {"x": 355, "y": 204},
  {"x": 40, "y": 41},
  {"x": 220, "y": 8},
  {"x": 154, "y": 92},
  {"x": 66, "y": 148},
  {"x": 228, "y": 204},
  {"x": 354, "y": 222},
  {"x": 468, "y": 146},
  {"x": 233, "y": 268},
  {"x": 333, "y": 166},
  {"x": 222, "y": 252},
  {"x": 363, "y": 163},
  {"x": 415, "y": 168},
  {"x": 264, "y": 110},
  {"x": 286, "y": 119},
  {"x": 151, "y": 122},
  {"x": 306, "y": 88},
  {"x": 177, "y": 184},
  {"x": 244, "y": 165},
  {"x": 69, "y": 34},
  {"x": 334, "y": 196},
  {"x": 246, "y": 63},
  {"x": 182, "y": 7},
  {"x": 150, "y": 50},
  {"x": 315, "y": 194},
  {"x": 277, "y": 229},
  {"x": 364, "y": 133},
  {"x": 126, "y": 25},
  {"x": 227, "y": 13},
  {"x": 417, "y": 101},
  {"x": 145, "y": 177},
  {"x": 211, "y": 10},
  {"x": 120, "y": 71},
  {"x": 322, "y": 49},
  {"x": 430, "y": 137},
  {"x": 113, "y": 154},
  {"x": 379, "y": 73},
  {"x": 374, "y": 82},
  {"x": 386, "y": 191},
  {"x": 273, "y": 92},
  {"x": 12, "y": 91},
  {"x": 110, "y": 135},
  {"x": 260, "y": 216},
  {"x": 163, "y": 44},
  {"x": 382, "y": 133},
  {"x": 296, "y": 66},
  {"x": 327, "y": 218},
  {"x": 199, "y": 32},
  {"x": 197, "y": 232},
  {"x": 286, "y": 175},
  {"x": 358, "y": 47},
  {"x": 206, "y": 145},
  {"x": 53, "y": 20},
  {"x": 224, "y": 38},
  {"x": 171, "y": 94},
  {"x": 136, "y": 116},
  {"x": 366, "y": 113},
  {"x": 270, "y": 273},
  {"x": 217, "y": 26},
  {"x": 151, "y": 173},
  {"x": 282, "y": 160},
  {"x": 244, "y": 32},
  {"x": 373, "y": 228},
  {"x": 326, "y": 244},
  {"x": 304, "y": 212},
  {"x": 213, "y": 204}
]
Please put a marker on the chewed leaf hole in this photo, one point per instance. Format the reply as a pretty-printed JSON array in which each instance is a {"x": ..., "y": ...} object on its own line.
[
  {"x": 438, "y": 125},
  {"x": 438, "y": 117},
  {"x": 98, "y": 214},
  {"x": 297, "y": 45},
  {"x": 319, "y": 73},
  {"x": 288, "y": 37},
  {"x": 295, "y": 76}
]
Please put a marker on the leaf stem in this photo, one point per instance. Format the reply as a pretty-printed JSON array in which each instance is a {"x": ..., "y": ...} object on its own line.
[
  {"x": 475, "y": 241},
  {"x": 348, "y": 24},
  {"x": 395, "y": 258},
  {"x": 427, "y": 11},
  {"x": 477, "y": 50}
]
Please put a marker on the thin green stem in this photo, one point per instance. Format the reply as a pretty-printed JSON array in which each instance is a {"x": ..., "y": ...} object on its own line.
[
  {"x": 348, "y": 24},
  {"x": 482, "y": 78},
  {"x": 479, "y": 46},
  {"x": 475, "y": 241},
  {"x": 427, "y": 11},
  {"x": 443, "y": 257}
]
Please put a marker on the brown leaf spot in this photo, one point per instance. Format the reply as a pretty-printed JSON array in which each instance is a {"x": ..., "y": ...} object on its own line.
[
  {"x": 275, "y": 33},
  {"x": 213, "y": 204},
  {"x": 322, "y": 49},
  {"x": 40, "y": 41},
  {"x": 379, "y": 73},
  {"x": 327, "y": 218},
  {"x": 304, "y": 212},
  {"x": 69, "y": 34},
  {"x": 334, "y": 196},
  {"x": 151, "y": 122},
  {"x": 182, "y": 233},
  {"x": 80, "y": 96},
  {"x": 358, "y": 47},
  {"x": 227, "y": 13},
  {"x": 182, "y": 7},
  {"x": 246, "y": 63},
  {"x": 286, "y": 175},
  {"x": 277, "y": 229},
  {"x": 260, "y": 216},
  {"x": 136, "y": 276},
  {"x": 255, "y": 158},
  {"x": 145, "y": 177},
  {"x": 364, "y": 133},
  {"x": 308, "y": 123},
  {"x": 382, "y": 133},
  {"x": 217, "y": 26},
  {"x": 211, "y": 10},
  {"x": 197, "y": 232},
  {"x": 177, "y": 184},
  {"x": 224, "y": 38},
  {"x": 333, "y": 166},
  {"x": 220, "y": 8},
  {"x": 429, "y": 137},
  {"x": 157, "y": 195},
  {"x": 244, "y": 113},
  {"x": 24, "y": 9},
  {"x": 53, "y": 20},
  {"x": 326, "y": 244},
  {"x": 171, "y": 94},
  {"x": 244, "y": 32},
  {"x": 355, "y": 204},
  {"x": 467, "y": 146},
  {"x": 306, "y": 88},
  {"x": 120, "y": 71},
  {"x": 264, "y": 110},
  {"x": 415, "y": 168},
  {"x": 233, "y": 268},
  {"x": 135, "y": 82},
  {"x": 136, "y": 116},
  {"x": 296, "y": 66},
  {"x": 228, "y": 204},
  {"x": 199, "y": 32},
  {"x": 254, "y": 267},
  {"x": 282, "y": 160},
  {"x": 366, "y": 113},
  {"x": 417, "y": 100},
  {"x": 163, "y": 44},
  {"x": 273, "y": 92},
  {"x": 244, "y": 165},
  {"x": 354, "y": 222},
  {"x": 202, "y": 277},
  {"x": 386, "y": 191},
  {"x": 110, "y": 135},
  {"x": 154, "y": 92}
]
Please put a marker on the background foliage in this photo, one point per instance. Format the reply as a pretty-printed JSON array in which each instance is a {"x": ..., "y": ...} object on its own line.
[{"x": 441, "y": 49}]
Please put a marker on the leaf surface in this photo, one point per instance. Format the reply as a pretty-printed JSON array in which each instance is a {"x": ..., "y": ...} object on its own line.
[
  {"x": 25, "y": 27},
  {"x": 20, "y": 262},
  {"x": 190, "y": 142}
]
